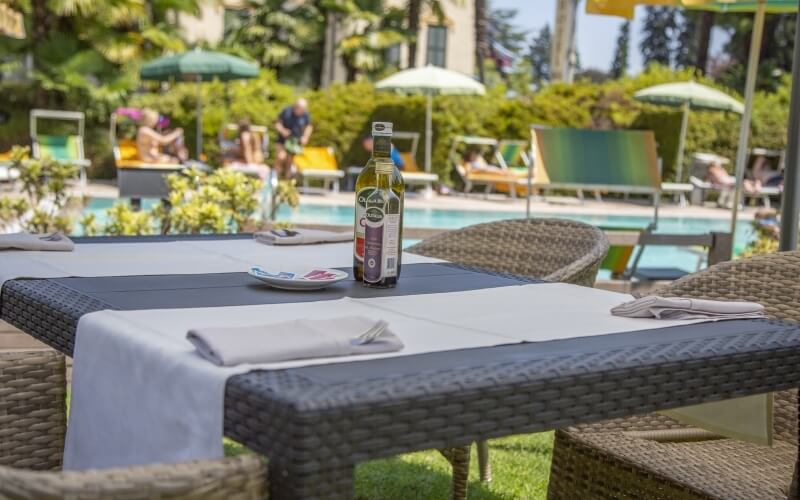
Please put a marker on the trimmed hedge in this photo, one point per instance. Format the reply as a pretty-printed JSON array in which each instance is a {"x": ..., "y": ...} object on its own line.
[{"x": 342, "y": 113}]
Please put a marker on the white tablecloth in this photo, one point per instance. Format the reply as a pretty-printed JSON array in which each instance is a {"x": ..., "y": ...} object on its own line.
[{"x": 141, "y": 394}]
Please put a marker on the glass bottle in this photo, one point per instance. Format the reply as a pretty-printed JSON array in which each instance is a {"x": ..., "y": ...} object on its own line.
[{"x": 379, "y": 174}]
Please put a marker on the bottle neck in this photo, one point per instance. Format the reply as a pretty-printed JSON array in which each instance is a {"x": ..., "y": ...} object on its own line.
[
  {"x": 381, "y": 147},
  {"x": 383, "y": 173}
]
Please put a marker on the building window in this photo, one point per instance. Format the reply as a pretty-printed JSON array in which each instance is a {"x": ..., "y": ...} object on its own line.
[
  {"x": 391, "y": 55},
  {"x": 437, "y": 46}
]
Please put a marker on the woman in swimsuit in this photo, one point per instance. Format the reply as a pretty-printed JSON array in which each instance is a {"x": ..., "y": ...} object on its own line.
[{"x": 151, "y": 143}]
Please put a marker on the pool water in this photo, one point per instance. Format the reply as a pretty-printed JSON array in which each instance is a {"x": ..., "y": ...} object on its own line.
[{"x": 681, "y": 257}]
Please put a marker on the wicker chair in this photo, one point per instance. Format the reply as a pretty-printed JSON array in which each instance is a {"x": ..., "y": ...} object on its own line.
[
  {"x": 32, "y": 428},
  {"x": 612, "y": 460},
  {"x": 548, "y": 249}
]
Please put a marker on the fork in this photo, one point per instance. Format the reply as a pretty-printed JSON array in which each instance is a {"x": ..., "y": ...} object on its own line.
[
  {"x": 371, "y": 334},
  {"x": 51, "y": 237}
]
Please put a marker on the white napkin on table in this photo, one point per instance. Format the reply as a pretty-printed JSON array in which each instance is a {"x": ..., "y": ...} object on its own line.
[
  {"x": 56, "y": 242},
  {"x": 288, "y": 340},
  {"x": 653, "y": 306},
  {"x": 748, "y": 418},
  {"x": 300, "y": 237}
]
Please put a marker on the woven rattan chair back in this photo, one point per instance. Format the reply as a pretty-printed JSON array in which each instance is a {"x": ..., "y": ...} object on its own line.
[
  {"x": 772, "y": 280},
  {"x": 32, "y": 429},
  {"x": 33, "y": 412},
  {"x": 549, "y": 249}
]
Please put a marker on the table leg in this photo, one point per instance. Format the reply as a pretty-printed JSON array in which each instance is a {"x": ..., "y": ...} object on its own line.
[
  {"x": 335, "y": 483},
  {"x": 459, "y": 459}
]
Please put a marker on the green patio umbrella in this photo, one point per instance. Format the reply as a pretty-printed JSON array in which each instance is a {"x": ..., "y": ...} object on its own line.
[
  {"x": 688, "y": 95},
  {"x": 431, "y": 80},
  {"x": 198, "y": 66}
]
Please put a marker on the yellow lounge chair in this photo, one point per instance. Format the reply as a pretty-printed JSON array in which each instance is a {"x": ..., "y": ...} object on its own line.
[
  {"x": 63, "y": 148},
  {"x": 500, "y": 180},
  {"x": 317, "y": 162},
  {"x": 412, "y": 174}
]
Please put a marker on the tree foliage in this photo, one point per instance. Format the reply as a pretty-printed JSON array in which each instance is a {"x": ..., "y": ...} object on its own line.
[
  {"x": 658, "y": 35},
  {"x": 539, "y": 54},
  {"x": 619, "y": 66}
]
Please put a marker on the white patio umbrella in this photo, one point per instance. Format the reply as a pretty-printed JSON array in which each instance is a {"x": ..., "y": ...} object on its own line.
[
  {"x": 688, "y": 95},
  {"x": 431, "y": 80}
]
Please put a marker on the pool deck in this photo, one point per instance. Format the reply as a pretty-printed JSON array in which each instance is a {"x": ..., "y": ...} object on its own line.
[
  {"x": 478, "y": 202},
  {"x": 552, "y": 205}
]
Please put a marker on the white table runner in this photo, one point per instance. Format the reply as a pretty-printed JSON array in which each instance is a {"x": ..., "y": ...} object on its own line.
[
  {"x": 175, "y": 257},
  {"x": 141, "y": 394}
]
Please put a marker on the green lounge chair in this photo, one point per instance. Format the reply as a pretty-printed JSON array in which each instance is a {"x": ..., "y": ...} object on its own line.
[{"x": 65, "y": 148}]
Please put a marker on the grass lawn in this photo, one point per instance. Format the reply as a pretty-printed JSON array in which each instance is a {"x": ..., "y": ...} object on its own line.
[{"x": 520, "y": 467}]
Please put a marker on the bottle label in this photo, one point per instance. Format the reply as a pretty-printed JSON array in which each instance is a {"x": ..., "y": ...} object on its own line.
[
  {"x": 391, "y": 236},
  {"x": 374, "y": 244},
  {"x": 360, "y": 222}
]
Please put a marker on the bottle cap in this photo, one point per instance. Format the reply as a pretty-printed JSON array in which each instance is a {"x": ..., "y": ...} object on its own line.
[{"x": 381, "y": 128}]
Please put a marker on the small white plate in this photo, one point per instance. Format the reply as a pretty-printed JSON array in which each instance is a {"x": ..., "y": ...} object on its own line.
[{"x": 309, "y": 279}]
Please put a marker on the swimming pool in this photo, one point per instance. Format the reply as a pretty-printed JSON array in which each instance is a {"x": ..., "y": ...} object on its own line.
[{"x": 451, "y": 219}]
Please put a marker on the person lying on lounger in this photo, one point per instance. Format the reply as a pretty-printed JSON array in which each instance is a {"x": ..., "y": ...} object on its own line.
[
  {"x": 718, "y": 176},
  {"x": 475, "y": 162},
  {"x": 155, "y": 147},
  {"x": 250, "y": 155}
]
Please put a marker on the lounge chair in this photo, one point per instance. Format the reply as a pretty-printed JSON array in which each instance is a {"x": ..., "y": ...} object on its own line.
[
  {"x": 624, "y": 257},
  {"x": 646, "y": 457},
  {"x": 412, "y": 174},
  {"x": 701, "y": 187},
  {"x": 320, "y": 163},
  {"x": 136, "y": 179},
  {"x": 621, "y": 161},
  {"x": 513, "y": 155},
  {"x": 65, "y": 148},
  {"x": 550, "y": 249},
  {"x": 502, "y": 180},
  {"x": 33, "y": 417},
  {"x": 7, "y": 171}
]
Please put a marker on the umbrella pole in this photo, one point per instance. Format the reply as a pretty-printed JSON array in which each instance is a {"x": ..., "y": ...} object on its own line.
[
  {"x": 682, "y": 143},
  {"x": 791, "y": 182},
  {"x": 199, "y": 138},
  {"x": 744, "y": 130},
  {"x": 428, "y": 131}
]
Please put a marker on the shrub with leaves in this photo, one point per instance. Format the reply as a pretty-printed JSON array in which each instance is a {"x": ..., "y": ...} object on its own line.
[
  {"x": 43, "y": 197},
  {"x": 223, "y": 201}
]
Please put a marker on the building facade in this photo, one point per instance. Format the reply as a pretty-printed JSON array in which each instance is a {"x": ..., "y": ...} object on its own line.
[{"x": 448, "y": 43}]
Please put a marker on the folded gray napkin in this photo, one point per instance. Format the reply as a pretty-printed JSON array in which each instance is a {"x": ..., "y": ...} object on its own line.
[
  {"x": 653, "y": 306},
  {"x": 300, "y": 237},
  {"x": 55, "y": 242},
  {"x": 288, "y": 340}
]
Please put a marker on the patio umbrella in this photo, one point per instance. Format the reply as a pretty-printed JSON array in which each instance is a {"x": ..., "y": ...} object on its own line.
[
  {"x": 431, "y": 80},
  {"x": 688, "y": 95},
  {"x": 625, "y": 8},
  {"x": 198, "y": 66}
]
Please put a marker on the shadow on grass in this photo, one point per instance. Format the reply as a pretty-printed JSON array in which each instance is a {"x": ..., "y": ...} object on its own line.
[
  {"x": 520, "y": 464},
  {"x": 398, "y": 479}
]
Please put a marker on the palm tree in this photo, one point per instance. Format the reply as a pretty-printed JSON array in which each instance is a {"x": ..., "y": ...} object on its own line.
[
  {"x": 481, "y": 37},
  {"x": 281, "y": 35},
  {"x": 414, "y": 14},
  {"x": 373, "y": 29},
  {"x": 90, "y": 48}
]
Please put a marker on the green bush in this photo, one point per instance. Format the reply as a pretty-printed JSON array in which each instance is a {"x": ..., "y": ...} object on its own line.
[{"x": 341, "y": 113}]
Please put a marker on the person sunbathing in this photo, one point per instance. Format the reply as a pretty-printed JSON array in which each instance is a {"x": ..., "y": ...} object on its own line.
[
  {"x": 250, "y": 158},
  {"x": 475, "y": 162},
  {"x": 155, "y": 147},
  {"x": 718, "y": 176}
]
